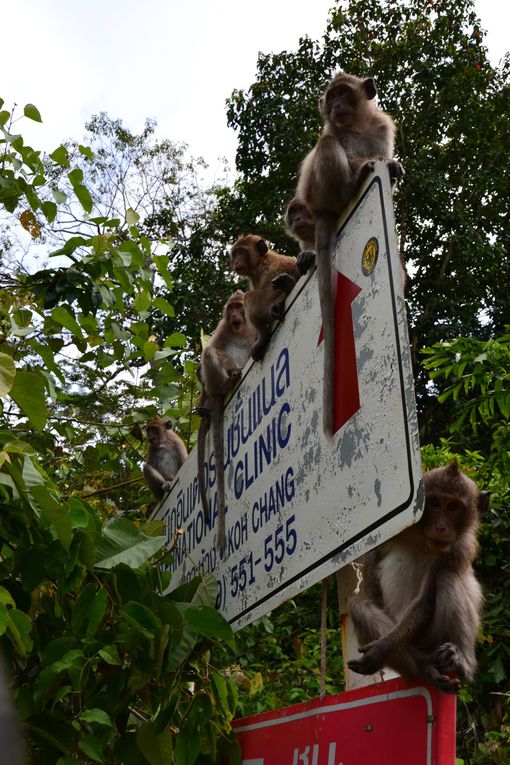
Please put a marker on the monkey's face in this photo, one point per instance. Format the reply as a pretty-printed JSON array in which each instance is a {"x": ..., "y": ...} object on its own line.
[
  {"x": 444, "y": 518},
  {"x": 235, "y": 316},
  {"x": 240, "y": 259},
  {"x": 153, "y": 435},
  {"x": 300, "y": 222},
  {"x": 341, "y": 103}
]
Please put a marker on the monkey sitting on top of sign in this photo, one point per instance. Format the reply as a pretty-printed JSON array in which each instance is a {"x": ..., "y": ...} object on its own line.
[
  {"x": 355, "y": 134},
  {"x": 421, "y": 603}
]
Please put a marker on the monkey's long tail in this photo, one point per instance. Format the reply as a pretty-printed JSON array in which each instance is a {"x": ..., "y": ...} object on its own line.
[
  {"x": 202, "y": 432},
  {"x": 325, "y": 229},
  {"x": 217, "y": 423}
]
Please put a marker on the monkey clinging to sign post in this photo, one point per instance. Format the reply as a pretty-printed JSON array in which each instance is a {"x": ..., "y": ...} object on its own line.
[
  {"x": 220, "y": 370},
  {"x": 355, "y": 134},
  {"x": 165, "y": 455},
  {"x": 421, "y": 603}
]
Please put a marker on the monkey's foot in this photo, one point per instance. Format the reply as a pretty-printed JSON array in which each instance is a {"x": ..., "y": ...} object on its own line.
[
  {"x": 443, "y": 682},
  {"x": 305, "y": 260},
  {"x": 446, "y": 657},
  {"x": 203, "y": 411},
  {"x": 396, "y": 170}
]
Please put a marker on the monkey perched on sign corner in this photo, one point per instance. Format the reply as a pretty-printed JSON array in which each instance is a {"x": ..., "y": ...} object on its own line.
[
  {"x": 165, "y": 455},
  {"x": 355, "y": 134},
  {"x": 419, "y": 611},
  {"x": 220, "y": 370},
  {"x": 299, "y": 224},
  {"x": 272, "y": 277}
]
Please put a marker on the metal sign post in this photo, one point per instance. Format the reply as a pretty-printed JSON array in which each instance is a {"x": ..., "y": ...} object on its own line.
[{"x": 302, "y": 505}]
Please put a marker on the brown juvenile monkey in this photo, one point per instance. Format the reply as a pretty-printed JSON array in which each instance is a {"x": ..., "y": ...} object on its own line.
[
  {"x": 272, "y": 277},
  {"x": 221, "y": 367},
  {"x": 421, "y": 602},
  {"x": 355, "y": 134},
  {"x": 300, "y": 225},
  {"x": 165, "y": 455}
]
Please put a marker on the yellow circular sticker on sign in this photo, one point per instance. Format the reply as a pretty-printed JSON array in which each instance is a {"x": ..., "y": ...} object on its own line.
[{"x": 370, "y": 254}]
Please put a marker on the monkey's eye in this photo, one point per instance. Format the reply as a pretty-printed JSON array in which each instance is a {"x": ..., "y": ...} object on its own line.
[
  {"x": 432, "y": 502},
  {"x": 453, "y": 507}
]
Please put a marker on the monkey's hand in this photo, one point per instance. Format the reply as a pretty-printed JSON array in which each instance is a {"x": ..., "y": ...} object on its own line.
[
  {"x": 396, "y": 170},
  {"x": 166, "y": 486},
  {"x": 235, "y": 375},
  {"x": 305, "y": 260},
  {"x": 373, "y": 659},
  {"x": 258, "y": 349},
  {"x": 204, "y": 412},
  {"x": 283, "y": 282}
]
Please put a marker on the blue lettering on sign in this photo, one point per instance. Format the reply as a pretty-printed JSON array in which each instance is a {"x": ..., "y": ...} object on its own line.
[
  {"x": 273, "y": 500},
  {"x": 264, "y": 450}
]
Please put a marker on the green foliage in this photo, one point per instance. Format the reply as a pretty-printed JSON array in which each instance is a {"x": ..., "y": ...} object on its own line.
[
  {"x": 106, "y": 667},
  {"x": 277, "y": 661}
]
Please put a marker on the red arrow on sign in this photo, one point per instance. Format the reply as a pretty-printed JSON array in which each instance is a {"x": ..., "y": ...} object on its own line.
[{"x": 346, "y": 393}]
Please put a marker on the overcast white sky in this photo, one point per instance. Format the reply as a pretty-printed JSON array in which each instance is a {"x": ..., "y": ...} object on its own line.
[{"x": 173, "y": 60}]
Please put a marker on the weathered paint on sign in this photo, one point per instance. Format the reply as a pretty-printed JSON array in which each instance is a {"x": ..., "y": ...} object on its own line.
[
  {"x": 300, "y": 504},
  {"x": 391, "y": 723}
]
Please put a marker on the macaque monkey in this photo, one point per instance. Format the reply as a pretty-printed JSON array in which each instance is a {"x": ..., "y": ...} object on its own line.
[
  {"x": 165, "y": 455},
  {"x": 421, "y": 603},
  {"x": 272, "y": 277},
  {"x": 355, "y": 134},
  {"x": 220, "y": 370},
  {"x": 300, "y": 225}
]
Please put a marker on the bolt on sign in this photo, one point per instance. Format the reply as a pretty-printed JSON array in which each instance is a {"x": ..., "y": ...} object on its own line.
[
  {"x": 301, "y": 505},
  {"x": 390, "y": 723}
]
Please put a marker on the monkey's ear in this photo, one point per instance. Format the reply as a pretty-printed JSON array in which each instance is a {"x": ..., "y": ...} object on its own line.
[
  {"x": 168, "y": 424},
  {"x": 261, "y": 247},
  {"x": 484, "y": 499},
  {"x": 369, "y": 88},
  {"x": 453, "y": 467}
]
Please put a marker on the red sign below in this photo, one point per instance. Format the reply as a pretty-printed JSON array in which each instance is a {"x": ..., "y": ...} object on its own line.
[{"x": 391, "y": 723}]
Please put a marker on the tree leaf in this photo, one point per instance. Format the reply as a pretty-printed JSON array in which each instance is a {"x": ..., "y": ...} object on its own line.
[
  {"x": 32, "y": 112},
  {"x": 54, "y": 513},
  {"x": 209, "y": 623},
  {"x": 97, "y": 612},
  {"x": 28, "y": 392},
  {"x": 97, "y": 716},
  {"x": 63, "y": 316},
  {"x": 156, "y": 748},
  {"x": 61, "y": 157},
  {"x": 122, "y": 542},
  {"x": 110, "y": 654},
  {"x": 7, "y": 374},
  {"x": 142, "y": 616}
]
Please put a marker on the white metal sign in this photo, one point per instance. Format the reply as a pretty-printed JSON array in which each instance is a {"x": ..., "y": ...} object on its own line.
[{"x": 301, "y": 505}]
